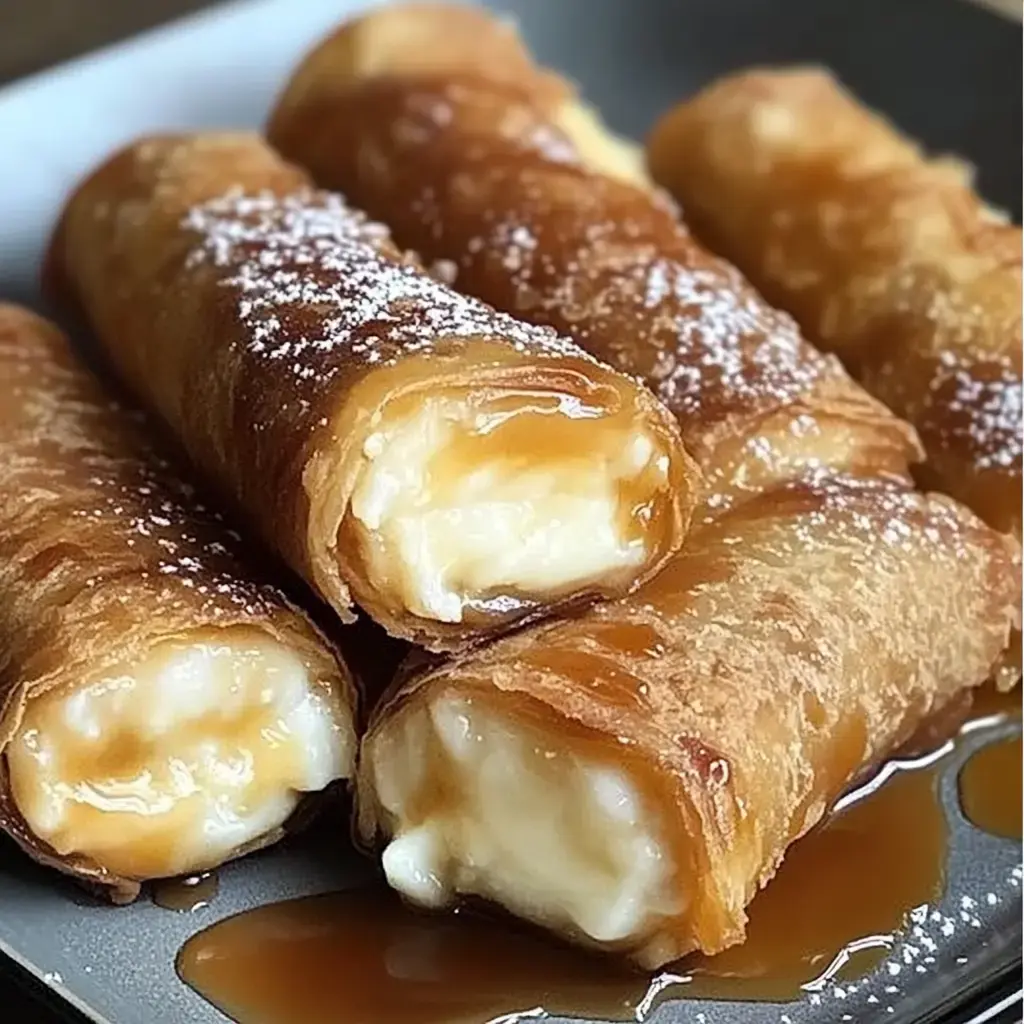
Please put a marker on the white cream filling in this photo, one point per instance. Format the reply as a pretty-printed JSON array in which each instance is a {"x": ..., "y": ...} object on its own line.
[
  {"x": 489, "y": 527},
  {"x": 518, "y": 819},
  {"x": 598, "y": 148},
  {"x": 166, "y": 767}
]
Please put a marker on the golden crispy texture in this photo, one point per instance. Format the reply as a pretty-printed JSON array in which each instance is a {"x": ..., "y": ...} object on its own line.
[
  {"x": 406, "y": 42},
  {"x": 269, "y": 325},
  {"x": 476, "y": 171},
  {"x": 105, "y": 553},
  {"x": 885, "y": 257},
  {"x": 821, "y": 608},
  {"x": 788, "y": 649}
]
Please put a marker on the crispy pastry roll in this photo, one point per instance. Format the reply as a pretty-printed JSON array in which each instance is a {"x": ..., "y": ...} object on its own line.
[
  {"x": 885, "y": 257},
  {"x": 632, "y": 776},
  {"x": 161, "y": 709},
  {"x": 630, "y": 779},
  {"x": 451, "y": 469}
]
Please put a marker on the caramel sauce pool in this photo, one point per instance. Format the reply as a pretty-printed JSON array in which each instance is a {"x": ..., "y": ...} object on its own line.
[
  {"x": 840, "y": 896},
  {"x": 990, "y": 781},
  {"x": 362, "y": 957},
  {"x": 990, "y": 788}
]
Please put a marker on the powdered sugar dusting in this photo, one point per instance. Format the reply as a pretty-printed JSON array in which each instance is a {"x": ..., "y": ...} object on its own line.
[
  {"x": 620, "y": 273},
  {"x": 309, "y": 261},
  {"x": 913, "y": 257},
  {"x": 636, "y": 293},
  {"x": 729, "y": 344},
  {"x": 977, "y": 410},
  {"x": 877, "y": 516},
  {"x": 587, "y": 256},
  {"x": 76, "y": 465}
]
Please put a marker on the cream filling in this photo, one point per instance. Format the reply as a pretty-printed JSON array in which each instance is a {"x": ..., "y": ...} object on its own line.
[
  {"x": 479, "y": 806},
  {"x": 440, "y": 535},
  {"x": 598, "y": 148},
  {"x": 167, "y": 766}
]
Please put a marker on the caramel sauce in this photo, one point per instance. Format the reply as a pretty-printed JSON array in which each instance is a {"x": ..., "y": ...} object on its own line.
[
  {"x": 123, "y": 807},
  {"x": 544, "y": 431},
  {"x": 145, "y": 835},
  {"x": 362, "y": 957},
  {"x": 525, "y": 431},
  {"x": 187, "y": 894},
  {"x": 636, "y": 639},
  {"x": 597, "y": 675},
  {"x": 840, "y": 896},
  {"x": 516, "y": 432},
  {"x": 990, "y": 788}
]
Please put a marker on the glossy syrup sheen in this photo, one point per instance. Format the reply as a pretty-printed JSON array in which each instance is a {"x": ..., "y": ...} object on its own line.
[
  {"x": 133, "y": 779},
  {"x": 515, "y": 432},
  {"x": 364, "y": 958},
  {"x": 547, "y": 431},
  {"x": 990, "y": 788},
  {"x": 989, "y": 783},
  {"x": 841, "y": 895}
]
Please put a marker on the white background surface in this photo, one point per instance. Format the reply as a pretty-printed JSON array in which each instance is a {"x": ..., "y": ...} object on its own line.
[{"x": 221, "y": 68}]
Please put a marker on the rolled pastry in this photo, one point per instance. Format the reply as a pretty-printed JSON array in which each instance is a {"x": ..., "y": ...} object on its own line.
[
  {"x": 885, "y": 257},
  {"x": 451, "y": 469},
  {"x": 632, "y": 776},
  {"x": 162, "y": 709}
]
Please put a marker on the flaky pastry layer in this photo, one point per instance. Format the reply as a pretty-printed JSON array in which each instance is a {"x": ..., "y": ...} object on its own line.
[
  {"x": 290, "y": 346},
  {"x": 162, "y": 704},
  {"x": 820, "y": 609},
  {"x": 884, "y": 256}
]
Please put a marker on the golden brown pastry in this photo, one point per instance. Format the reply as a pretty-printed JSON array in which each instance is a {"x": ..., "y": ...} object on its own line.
[
  {"x": 162, "y": 708},
  {"x": 450, "y": 468},
  {"x": 885, "y": 257},
  {"x": 632, "y": 776}
]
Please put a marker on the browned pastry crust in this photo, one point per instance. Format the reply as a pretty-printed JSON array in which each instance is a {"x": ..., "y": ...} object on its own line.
[
  {"x": 104, "y": 553},
  {"x": 787, "y": 650},
  {"x": 820, "y": 609},
  {"x": 885, "y": 257},
  {"x": 269, "y": 325},
  {"x": 476, "y": 170}
]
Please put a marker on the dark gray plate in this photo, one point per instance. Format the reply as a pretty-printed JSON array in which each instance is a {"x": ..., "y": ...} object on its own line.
[{"x": 948, "y": 72}]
